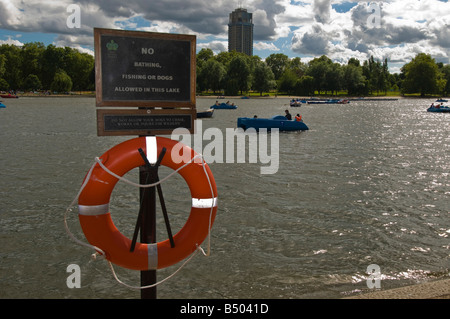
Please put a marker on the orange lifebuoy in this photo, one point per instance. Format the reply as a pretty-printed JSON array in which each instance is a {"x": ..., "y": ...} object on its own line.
[{"x": 95, "y": 217}]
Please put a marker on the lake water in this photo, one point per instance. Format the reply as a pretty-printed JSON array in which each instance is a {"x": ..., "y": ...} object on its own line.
[{"x": 367, "y": 184}]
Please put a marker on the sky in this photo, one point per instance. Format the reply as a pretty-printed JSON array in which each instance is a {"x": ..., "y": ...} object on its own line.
[{"x": 397, "y": 30}]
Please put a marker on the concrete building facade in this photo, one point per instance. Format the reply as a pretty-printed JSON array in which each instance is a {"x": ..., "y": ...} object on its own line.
[{"x": 240, "y": 31}]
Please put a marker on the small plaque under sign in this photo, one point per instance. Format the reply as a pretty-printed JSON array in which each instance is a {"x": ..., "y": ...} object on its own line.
[{"x": 143, "y": 122}]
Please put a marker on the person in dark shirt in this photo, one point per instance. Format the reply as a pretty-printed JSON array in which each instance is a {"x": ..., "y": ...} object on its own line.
[{"x": 288, "y": 115}]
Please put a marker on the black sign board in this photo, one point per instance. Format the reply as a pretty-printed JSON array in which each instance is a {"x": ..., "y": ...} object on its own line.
[{"x": 144, "y": 69}]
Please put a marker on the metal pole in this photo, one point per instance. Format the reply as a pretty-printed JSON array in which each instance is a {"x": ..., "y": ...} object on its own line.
[{"x": 148, "y": 225}]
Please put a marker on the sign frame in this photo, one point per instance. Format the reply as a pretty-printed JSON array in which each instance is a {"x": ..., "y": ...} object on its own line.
[{"x": 102, "y": 100}]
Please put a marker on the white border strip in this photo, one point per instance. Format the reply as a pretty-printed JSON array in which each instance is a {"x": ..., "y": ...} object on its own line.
[
  {"x": 204, "y": 202},
  {"x": 152, "y": 149},
  {"x": 93, "y": 210},
  {"x": 152, "y": 254}
]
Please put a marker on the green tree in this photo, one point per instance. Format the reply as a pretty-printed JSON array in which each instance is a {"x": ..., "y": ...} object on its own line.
[
  {"x": 61, "y": 82},
  {"x": 296, "y": 65},
  {"x": 354, "y": 61},
  {"x": 204, "y": 55},
  {"x": 421, "y": 75},
  {"x": 445, "y": 70},
  {"x": 383, "y": 81},
  {"x": 237, "y": 76},
  {"x": 252, "y": 62},
  {"x": 213, "y": 73},
  {"x": 377, "y": 75},
  {"x": 333, "y": 78},
  {"x": 32, "y": 54},
  {"x": 226, "y": 57},
  {"x": 2, "y": 64},
  {"x": 4, "y": 86},
  {"x": 78, "y": 67},
  {"x": 52, "y": 61},
  {"x": 305, "y": 86},
  {"x": 396, "y": 81},
  {"x": 318, "y": 69},
  {"x": 287, "y": 82},
  {"x": 43, "y": 62},
  {"x": 278, "y": 62},
  {"x": 200, "y": 80},
  {"x": 13, "y": 65},
  {"x": 32, "y": 83},
  {"x": 353, "y": 79},
  {"x": 263, "y": 78}
]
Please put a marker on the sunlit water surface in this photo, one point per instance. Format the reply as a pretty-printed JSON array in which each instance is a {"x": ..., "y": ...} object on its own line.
[{"x": 367, "y": 184}]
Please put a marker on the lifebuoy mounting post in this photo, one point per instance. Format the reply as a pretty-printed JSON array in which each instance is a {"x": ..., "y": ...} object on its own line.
[
  {"x": 147, "y": 219},
  {"x": 151, "y": 172},
  {"x": 152, "y": 78}
]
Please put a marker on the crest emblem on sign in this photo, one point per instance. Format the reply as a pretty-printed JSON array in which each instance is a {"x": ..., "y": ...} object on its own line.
[{"x": 112, "y": 46}]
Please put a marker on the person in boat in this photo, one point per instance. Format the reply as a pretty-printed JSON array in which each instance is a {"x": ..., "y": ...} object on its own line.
[
  {"x": 432, "y": 105},
  {"x": 298, "y": 118},
  {"x": 255, "y": 116},
  {"x": 217, "y": 103},
  {"x": 288, "y": 115},
  {"x": 228, "y": 103}
]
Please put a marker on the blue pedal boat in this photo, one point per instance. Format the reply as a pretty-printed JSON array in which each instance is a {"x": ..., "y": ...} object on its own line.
[
  {"x": 439, "y": 109},
  {"x": 224, "y": 106},
  {"x": 279, "y": 121}
]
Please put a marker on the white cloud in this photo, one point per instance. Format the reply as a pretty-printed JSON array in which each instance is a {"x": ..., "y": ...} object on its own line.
[
  {"x": 9, "y": 13},
  {"x": 11, "y": 42},
  {"x": 165, "y": 27},
  {"x": 265, "y": 46},
  {"x": 312, "y": 27},
  {"x": 405, "y": 28},
  {"x": 215, "y": 46}
]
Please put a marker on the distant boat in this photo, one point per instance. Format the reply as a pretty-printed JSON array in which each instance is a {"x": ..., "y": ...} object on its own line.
[
  {"x": 439, "y": 109},
  {"x": 224, "y": 106},
  {"x": 9, "y": 96},
  {"x": 205, "y": 114},
  {"x": 296, "y": 103},
  {"x": 441, "y": 100},
  {"x": 279, "y": 121},
  {"x": 2, "y": 106}
]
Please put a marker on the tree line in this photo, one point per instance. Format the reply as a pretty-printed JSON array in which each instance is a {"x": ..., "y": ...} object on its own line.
[
  {"x": 234, "y": 73},
  {"x": 35, "y": 66}
]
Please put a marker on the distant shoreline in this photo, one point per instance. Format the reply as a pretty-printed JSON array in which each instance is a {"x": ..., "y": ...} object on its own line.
[
  {"x": 383, "y": 97},
  {"x": 55, "y": 95}
]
